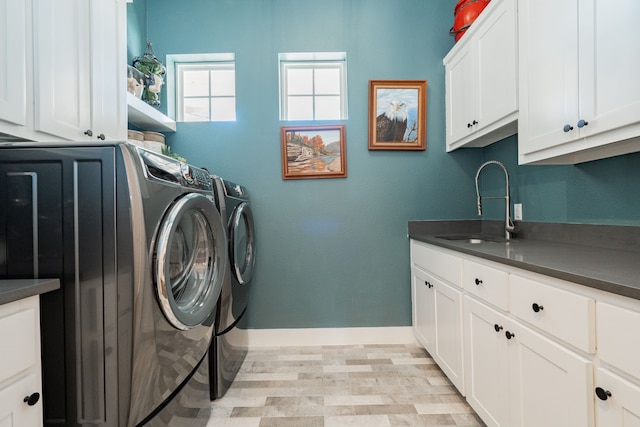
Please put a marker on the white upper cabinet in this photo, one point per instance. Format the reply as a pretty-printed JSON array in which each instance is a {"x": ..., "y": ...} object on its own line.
[
  {"x": 63, "y": 70},
  {"x": 579, "y": 89},
  {"x": 481, "y": 79},
  {"x": 13, "y": 74},
  {"x": 109, "y": 69},
  {"x": 79, "y": 70}
]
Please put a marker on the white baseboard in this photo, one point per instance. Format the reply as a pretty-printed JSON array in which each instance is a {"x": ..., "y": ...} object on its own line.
[{"x": 329, "y": 336}]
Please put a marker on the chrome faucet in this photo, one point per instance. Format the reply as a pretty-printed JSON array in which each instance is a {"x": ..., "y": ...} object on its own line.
[{"x": 509, "y": 227}]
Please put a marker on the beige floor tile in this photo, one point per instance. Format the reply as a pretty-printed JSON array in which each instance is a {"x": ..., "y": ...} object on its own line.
[
  {"x": 292, "y": 422},
  {"x": 357, "y": 421},
  {"x": 347, "y": 368},
  {"x": 393, "y": 385},
  {"x": 422, "y": 420},
  {"x": 443, "y": 408},
  {"x": 353, "y": 400}
]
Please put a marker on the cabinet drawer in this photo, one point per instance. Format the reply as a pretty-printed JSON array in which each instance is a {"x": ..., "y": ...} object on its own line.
[
  {"x": 618, "y": 337},
  {"x": 19, "y": 335},
  {"x": 486, "y": 283},
  {"x": 568, "y": 316},
  {"x": 443, "y": 265}
]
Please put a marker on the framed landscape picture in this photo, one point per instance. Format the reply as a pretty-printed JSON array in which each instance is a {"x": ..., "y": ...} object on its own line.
[
  {"x": 313, "y": 151},
  {"x": 397, "y": 114}
]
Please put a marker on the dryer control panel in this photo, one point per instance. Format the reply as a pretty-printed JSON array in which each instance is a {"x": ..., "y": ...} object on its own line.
[{"x": 167, "y": 169}]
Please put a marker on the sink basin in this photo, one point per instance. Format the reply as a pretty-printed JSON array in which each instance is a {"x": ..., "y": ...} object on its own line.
[{"x": 474, "y": 238}]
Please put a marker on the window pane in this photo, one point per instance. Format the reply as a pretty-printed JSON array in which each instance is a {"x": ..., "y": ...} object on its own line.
[
  {"x": 327, "y": 81},
  {"x": 196, "y": 110},
  {"x": 223, "y": 83},
  {"x": 327, "y": 108},
  {"x": 299, "y": 81},
  {"x": 223, "y": 109},
  {"x": 300, "y": 108},
  {"x": 196, "y": 83}
]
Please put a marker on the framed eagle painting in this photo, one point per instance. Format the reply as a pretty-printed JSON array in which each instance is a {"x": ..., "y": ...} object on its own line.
[{"x": 397, "y": 114}]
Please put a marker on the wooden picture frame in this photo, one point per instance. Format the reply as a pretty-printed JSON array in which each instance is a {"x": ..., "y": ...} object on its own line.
[
  {"x": 397, "y": 114},
  {"x": 313, "y": 151}
]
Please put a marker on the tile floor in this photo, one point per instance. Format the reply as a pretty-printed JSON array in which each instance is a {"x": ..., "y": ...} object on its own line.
[{"x": 330, "y": 386}]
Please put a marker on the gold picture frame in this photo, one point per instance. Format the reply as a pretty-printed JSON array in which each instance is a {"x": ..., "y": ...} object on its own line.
[
  {"x": 313, "y": 151},
  {"x": 397, "y": 114}
]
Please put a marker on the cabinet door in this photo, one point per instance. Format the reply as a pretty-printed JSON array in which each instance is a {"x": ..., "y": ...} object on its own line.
[
  {"x": 550, "y": 385},
  {"x": 609, "y": 64},
  {"x": 448, "y": 353},
  {"x": 13, "y": 74},
  {"x": 62, "y": 68},
  {"x": 424, "y": 319},
  {"x": 497, "y": 70},
  {"x": 622, "y": 406},
  {"x": 486, "y": 362},
  {"x": 460, "y": 97},
  {"x": 548, "y": 48},
  {"x": 14, "y": 411},
  {"x": 108, "y": 69}
]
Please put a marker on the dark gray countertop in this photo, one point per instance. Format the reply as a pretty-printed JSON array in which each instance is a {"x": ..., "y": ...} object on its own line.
[
  {"x": 15, "y": 289},
  {"x": 597, "y": 264}
]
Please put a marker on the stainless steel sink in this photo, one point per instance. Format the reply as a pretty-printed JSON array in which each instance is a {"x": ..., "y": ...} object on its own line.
[{"x": 473, "y": 238}]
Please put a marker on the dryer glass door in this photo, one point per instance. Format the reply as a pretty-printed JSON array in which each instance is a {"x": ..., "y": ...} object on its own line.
[
  {"x": 243, "y": 243},
  {"x": 190, "y": 261}
]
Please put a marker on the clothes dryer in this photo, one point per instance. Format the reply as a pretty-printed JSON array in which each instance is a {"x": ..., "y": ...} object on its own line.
[
  {"x": 140, "y": 251},
  {"x": 230, "y": 341}
]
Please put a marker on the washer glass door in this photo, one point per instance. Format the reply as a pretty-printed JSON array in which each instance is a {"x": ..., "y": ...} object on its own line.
[
  {"x": 243, "y": 243},
  {"x": 190, "y": 261}
]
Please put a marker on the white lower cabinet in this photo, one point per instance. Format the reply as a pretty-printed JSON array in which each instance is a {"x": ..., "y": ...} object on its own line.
[
  {"x": 424, "y": 304},
  {"x": 437, "y": 323},
  {"x": 617, "y": 394},
  {"x": 487, "y": 361},
  {"x": 14, "y": 411},
  {"x": 20, "y": 380},
  {"x": 448, "y": 351},
  {"x": 549, "y": 384},
  {"x": 617, "y": 401},
  {"x": 517, "y": 377},
  {"x": 535, "y": 350}
]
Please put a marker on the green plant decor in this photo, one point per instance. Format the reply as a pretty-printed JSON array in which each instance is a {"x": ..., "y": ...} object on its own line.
[{"x": 166, "y": 150}]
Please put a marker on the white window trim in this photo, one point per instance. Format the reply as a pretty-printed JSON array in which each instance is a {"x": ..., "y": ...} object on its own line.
[
  {"x": 186, "y": 58},
  {"x": 312, "y": 60}
]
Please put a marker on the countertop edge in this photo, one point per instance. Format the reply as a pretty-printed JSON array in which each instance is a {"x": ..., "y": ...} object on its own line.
[
  {"x": 591, "y": 282},
  {"x": 16, "y": 289}
]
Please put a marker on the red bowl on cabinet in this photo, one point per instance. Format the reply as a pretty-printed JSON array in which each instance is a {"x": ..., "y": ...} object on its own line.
[{"x": 466, "y": 12}]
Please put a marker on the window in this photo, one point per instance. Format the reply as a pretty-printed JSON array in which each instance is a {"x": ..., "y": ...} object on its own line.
[
  {"x": 313, "y": 86},
  {"x": 204, "y": 87}
]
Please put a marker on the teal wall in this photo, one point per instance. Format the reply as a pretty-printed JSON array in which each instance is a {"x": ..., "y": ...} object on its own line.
[
  {"x": 334, "y": 252},
  {"x": 136, "y": 29},
  {"x": 605, "y": 191}
]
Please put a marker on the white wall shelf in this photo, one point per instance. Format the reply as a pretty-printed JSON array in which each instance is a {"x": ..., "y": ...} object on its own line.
[{"x": 146, "y": 117}]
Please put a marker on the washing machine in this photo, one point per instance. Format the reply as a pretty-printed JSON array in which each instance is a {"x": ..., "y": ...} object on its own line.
[
  {"x": 186, "y": 249},
  {"x": 141, "y": 251},
  {"x": 230, "y": 340}
]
